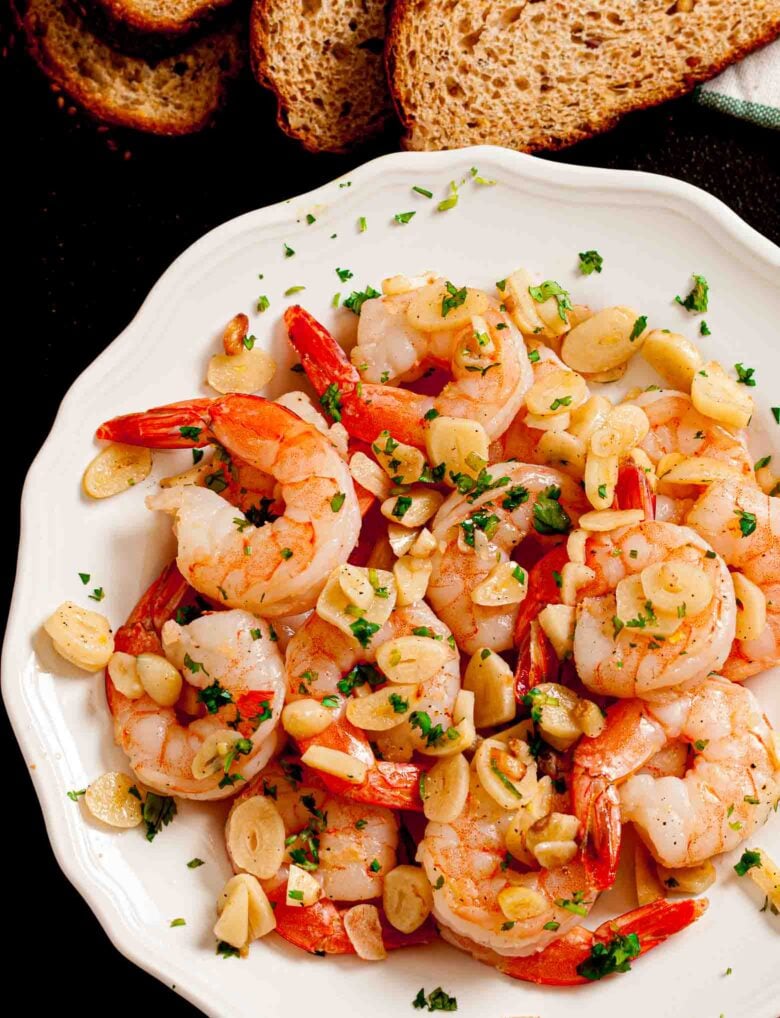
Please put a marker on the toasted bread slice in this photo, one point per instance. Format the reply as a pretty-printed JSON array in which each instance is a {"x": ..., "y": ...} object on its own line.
[
  {"x": 323, "y": 59},
  {"x": 543, "y": 74},
  {"x": 121, "y": 18},
  {"x": 175, "y": 95}
]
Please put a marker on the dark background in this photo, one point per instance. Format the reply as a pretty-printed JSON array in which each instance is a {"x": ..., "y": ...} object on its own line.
[{"x": 91, "y": 220}]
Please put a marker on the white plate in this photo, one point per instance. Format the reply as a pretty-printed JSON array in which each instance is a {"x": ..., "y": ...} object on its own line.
[{"x": 653, "y": 233}]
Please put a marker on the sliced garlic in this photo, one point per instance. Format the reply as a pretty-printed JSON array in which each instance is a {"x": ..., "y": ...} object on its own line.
[
  {"x": 445, "y": 788},
  {"x": 334, "y": 762},
  {"x": 382, "y": 710},
  {"x": 303, "y": 719},
  {"x": 334, "y": 606},
  {"x": 407, "y": 898},
  {"x": 492, "y": 681},
  {"x": 108, "y": 798},
  {"x": 412, "y": 659},
  {"x": 247, "y": 372},
  {"x": 506, "y": 583},
  {"x": 557, "y": 622},
  {"x": 414, "y": 508},
  {"x": 159, "y": 678},
  {"x": 124, "y": 674},
  {"x": 364, "y": 929},
  {"x": 254, "y": 835},
  {"x": 461, "y": 445},
  {"x": 115, "y": 469},
  {"x": 80, "y": 636}
]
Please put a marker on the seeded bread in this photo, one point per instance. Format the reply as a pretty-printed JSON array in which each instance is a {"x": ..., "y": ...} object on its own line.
[
  {"x": 178, "y": 94},
  {"x": 323, "y": 59},
  {"x": 122, "y": 18},
  {"x": 543, "y": 74}
]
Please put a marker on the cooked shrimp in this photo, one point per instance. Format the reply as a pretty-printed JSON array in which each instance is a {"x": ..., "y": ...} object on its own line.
[
  {"x": 320, "y": 662},
  {"x": 277, "y": 569},
  {"x": 567, "y": 960},
  {"x": 636, "y": 655},
  {"x": 488, "y": 381},
  {"x": 729, "y": 788},
  {"x": 348, "y": 847},
  {"x": 479, "y": 531},
  {"x": 233, "y": 653},
  {"x": 676, "y": 426},
  {"x": 519, "y": 441},
  {"x": 743, "y": 525},
  {"x": 466, "y": 862}
]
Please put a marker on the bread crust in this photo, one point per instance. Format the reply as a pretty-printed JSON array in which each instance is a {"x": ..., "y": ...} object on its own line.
[
  {"x": 121, "y": 23},
  {"x": 98, "y": 105},
  {"x": 260, "y": 61},
  {"x": 397, "y": 41}
]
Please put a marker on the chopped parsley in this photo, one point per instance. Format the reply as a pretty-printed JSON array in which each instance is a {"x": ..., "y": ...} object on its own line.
[
  {"x": 337, "y": 501},
  {"x": 227, "y": 950},
  {"x": 745, "y": 375},
  {"x": 178, "y": 922},
  {"x": 74, "y": 795},
  {"x": 288, "y": 251},
  {"x": 360, "y": 675},
  {"x": 534, "y": 356},
  {"x": 549, "y": 288},
  {"x": 330, "y": 401},
  {"x": 433, "y": 734},
  {"x": 157, "y": 811},
  {"x": 454, "y": 300},
  {"x": 763, "y": 462},
  {"x": 704, "y": 329},
  {"x": 293, "y": 289},
  {"x": 399, "y": 705},
  {"x": 97, "y": 594},
  {"x": 430, "y": 415},
  {"x": 249, "y": 342},
  {"x": 639, "y": 327},
  {"x": 375, "y": 866},
  {"x": 404, "y": 217},
  {"x": 191, "y": 432},
  {"x": 360, "y": 824},
  {"x": 479, "y": 520},
  {"x": 748, "y": 861},
  {"x": 559, "y": 402},
  {"x": 330, "y": 701},
  {"x": 214, "y": 696},
  {"x": 310, "y": 218},
  {"x": 263, "y": 303},
  {"x": 615, "y": 956},
  {"x": 403, "y": 504},
  {"x": 590, "y": 261},
  {"x": 357, "y": 299},
  {"x": 515, "y": 496},
  {"x": 747, "y": 521},
  {"x": 193, "y": 864},
  {"x": 362, "y": 224},
  {"x": 363, "y": 630},
  {"x": 437, "y": 1000},
  {"x": 549, "y": 515},
  {"x": 84, "y": 577},
  {"x": 450, "y": 201},
  {"x": 286, "y": 553},
  {"x": 698, "y": 299},
  {"x": 344, "y": 274},
  {"x": 423, "y": 191}
]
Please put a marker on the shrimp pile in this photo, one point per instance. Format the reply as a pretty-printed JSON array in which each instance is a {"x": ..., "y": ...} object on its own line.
[{"x": 442, "y": 632}]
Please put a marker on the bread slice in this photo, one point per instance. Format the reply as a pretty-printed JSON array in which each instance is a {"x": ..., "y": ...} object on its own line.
[
  {"x": 323, "y": 59},
  {"x": 543, "y": 74},
  {"x": 178, "y": 94},
  {"x": 144, "y": 17}
]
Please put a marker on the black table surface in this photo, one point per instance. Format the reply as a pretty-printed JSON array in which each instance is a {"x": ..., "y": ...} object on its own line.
[{"x": 94, "y": 220}]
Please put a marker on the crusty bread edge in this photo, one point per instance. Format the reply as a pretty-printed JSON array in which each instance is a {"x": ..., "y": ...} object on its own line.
[
  {"x": 114, "y": 21},
  {"x": 92, "y": 105},
  {"x": 606, "y": 123},
  {"x": 259, "y": 63}
]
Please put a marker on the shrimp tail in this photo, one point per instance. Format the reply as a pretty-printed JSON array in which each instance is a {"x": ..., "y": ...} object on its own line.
[
  {"x": 577, "y": 958},
  {"x": 602, "y": 830},
  {"x": 182, "y": 425},
  {"x": 536, "y": 660},
  {"x": 323, "y": 360},
  {"x": 387, "y": 783},
  {"x": 141, "y": 633},
  {"x": 319, "y": 928},
  {"x": 363, "y": 408},
  {"x": 633, "y": 490}
]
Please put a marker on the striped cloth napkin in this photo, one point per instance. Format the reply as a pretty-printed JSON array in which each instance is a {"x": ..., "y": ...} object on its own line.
[{"x": 749, "y": 89}]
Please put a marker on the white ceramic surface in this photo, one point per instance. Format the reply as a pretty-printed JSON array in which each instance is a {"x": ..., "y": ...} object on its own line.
[{"x": 653, "y": 233}]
